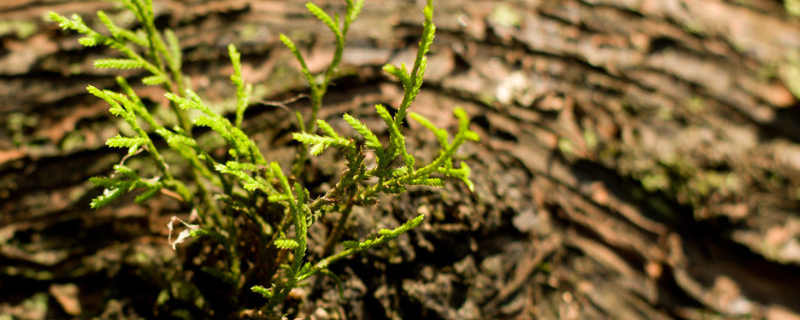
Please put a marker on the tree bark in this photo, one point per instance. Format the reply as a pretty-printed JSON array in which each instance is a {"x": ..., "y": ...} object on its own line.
[{"x": 639, "y": 159}]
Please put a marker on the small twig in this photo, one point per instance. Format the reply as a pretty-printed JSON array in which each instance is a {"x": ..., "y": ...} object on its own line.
[
  {"x": 121, "y": 162},
  {"x": 172, "y": 194},
  {"x": 282, "y": 104}
]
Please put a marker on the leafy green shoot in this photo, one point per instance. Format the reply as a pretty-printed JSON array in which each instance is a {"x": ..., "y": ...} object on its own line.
[{"x": 258, "y": 214}]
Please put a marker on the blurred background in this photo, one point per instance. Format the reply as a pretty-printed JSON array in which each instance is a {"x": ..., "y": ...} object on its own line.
[{"x": 639, "y": 159}]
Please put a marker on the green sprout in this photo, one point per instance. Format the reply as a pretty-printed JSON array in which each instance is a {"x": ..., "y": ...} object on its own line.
[{"x": 244, "y": 183}]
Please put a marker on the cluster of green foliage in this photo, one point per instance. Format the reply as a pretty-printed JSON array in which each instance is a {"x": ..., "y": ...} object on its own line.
[{"x": 244, "y": 187}]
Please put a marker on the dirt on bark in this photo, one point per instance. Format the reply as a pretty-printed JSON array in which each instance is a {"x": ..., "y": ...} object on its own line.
[{"x": 638, "y": 160}]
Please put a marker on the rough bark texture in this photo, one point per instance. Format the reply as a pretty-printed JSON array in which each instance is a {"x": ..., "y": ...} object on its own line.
[{"x": 639, "y": 160}]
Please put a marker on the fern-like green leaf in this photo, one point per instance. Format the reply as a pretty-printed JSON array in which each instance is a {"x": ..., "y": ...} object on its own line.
[
  {"x": 136, "y": 10},
  {"x": 414, "y": 83},
  {"x": 241, "y": 166},
  {"x": 125, "y": 171},
  {"x": 463, "y": 119},
  {"x": 236, "y": 61},
  {"x": 175, "y": 54},
  {"x": 155, "y": 80},
  {"x": 122, "y": 64},
  {"x": 350, "y": 244},
  {"x": 303, "y": 67},
  {"x": 115, "y": 109},
  {"x": 286, "y": 244},
  {"x": 107, "y": 196},
  {"x": 395, "y": 136},
  {"x": 89, "y": 41},
  {"x": 248, "y": 182},
  {"x": 408, "y": 225},
  {"x": 394, "y": 189},
  {"x": 399, "y": 172},
  {"x": 398, "y": 73},
  {"x": 353, "y": 10},
  {"x": 320, "y": 143},
  {"x": 243, "y": 90},
  {"x": 112, "y": 28},
  {"x": 317, "y": 149},
  {"x": 146, "y": 195},
  {"x": 131, "y": 143},
  {"x": 176, "y": 140},
  {"x": 325, "y": 127},
  {"x": 62, "y": 21},
  {"x": 104, "y": 182},
  {"x": 123, "y": 142},
  {"x": 182, "y": 102},
  {"x": 462, "y": 174},
  {"x": 431, "y": 182},
  {"x": 102, "y": 95},
  {"x": 441, "y": 134},
  {"x": 275, "y": 198},
  {"x": 324, "y": 17},
  {"x": 422, "y": 66},
  {"x": 138, "y": 38},
  {"x": 371, "y": 139},
  {"x": 384, "y": 114},
  {"x": 386, "y": 235},
  {"x": 472, "y": 136},
  {"x": 211, "y": 119},
  {"x": 278, "y": 172},
  {"x": 266, "y": 293},
  {"x": 215, "y": 125}
]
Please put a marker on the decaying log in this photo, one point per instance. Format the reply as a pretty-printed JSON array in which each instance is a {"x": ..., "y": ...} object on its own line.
[{"x": 639, "y": 159}]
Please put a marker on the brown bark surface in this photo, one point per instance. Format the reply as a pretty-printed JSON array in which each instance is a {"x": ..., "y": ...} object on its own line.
[{"x": 639, "y": 160}]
